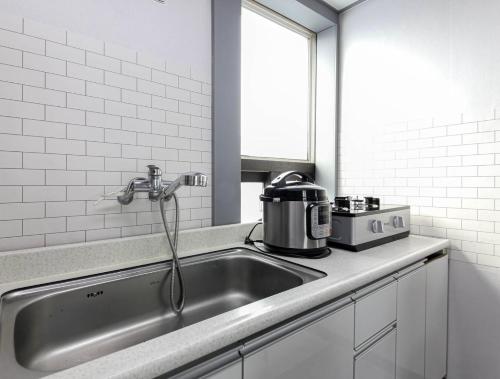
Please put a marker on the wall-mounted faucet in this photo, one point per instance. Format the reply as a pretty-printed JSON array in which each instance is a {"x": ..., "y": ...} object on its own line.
[
  {"x": 156, "y": 187},
  {"x": 164, "y": 190}
]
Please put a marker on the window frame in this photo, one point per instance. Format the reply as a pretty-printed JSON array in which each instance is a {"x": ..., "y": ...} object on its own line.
[
  {"x": 254, "y": 168},
  {"x": 317, "y": 16}
]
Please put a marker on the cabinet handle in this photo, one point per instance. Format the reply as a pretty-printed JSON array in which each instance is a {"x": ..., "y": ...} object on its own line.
[
  {"x": 438, "y": 255},
  {"x": 409, "y": 269},
  {"x": 372, "y": 288},
  {"x": 205, "y": 367},
  {"x": 375, "y": 339}
]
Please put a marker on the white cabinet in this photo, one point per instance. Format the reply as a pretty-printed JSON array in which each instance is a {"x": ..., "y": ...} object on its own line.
[
  {"x": 232, "y": 371},
  {"x": 378, "y": 361},
  {"x": 317, "y": 350},
  {"x": 375, "y": 309},
  {"x": 410, "y": 352},
  {"x": 423, "y": 320},
  {"x": 421, "y": 309},
  {"x": 375, "y": 330},
  {"x": 436, "y": 318}
]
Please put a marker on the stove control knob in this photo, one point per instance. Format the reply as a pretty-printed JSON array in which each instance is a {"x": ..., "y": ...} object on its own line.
[
  {"x": 398, "y": 222},
  {"x": 377, "y": 226}
]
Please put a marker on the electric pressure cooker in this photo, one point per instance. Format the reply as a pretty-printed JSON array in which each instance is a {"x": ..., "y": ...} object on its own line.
[{"x": 297, "y": 214}]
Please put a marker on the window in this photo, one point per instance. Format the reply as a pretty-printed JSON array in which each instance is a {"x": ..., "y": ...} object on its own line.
[
  {"x": 278, "y": 68},
  {"x": 251, "y": 206}
]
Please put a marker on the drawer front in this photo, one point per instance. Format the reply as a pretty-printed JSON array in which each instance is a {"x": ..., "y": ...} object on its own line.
[
  {"x": 374, "y": 312},
  {"x": 378, "y": 361},
  {"x": 318, "y": 351},
  {"x": 233, "y": 371}
]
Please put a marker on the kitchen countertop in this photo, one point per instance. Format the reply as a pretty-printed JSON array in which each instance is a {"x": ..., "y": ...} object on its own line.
[{"x": 345, "y": 271}]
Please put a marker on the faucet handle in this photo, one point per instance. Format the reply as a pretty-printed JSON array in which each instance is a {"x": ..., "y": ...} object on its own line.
[{"x": 154, "y": 170}]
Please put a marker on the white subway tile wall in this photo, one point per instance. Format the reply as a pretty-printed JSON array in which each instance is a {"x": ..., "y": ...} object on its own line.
[
  {"x": 449, "y": 174},
  {"x": 80, "y": 117}
]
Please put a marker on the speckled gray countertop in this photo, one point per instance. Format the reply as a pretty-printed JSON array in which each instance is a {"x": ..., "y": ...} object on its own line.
[{"x": 345, "y": 271}]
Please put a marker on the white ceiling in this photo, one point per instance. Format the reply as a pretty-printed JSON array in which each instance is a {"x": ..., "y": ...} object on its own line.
[{"x": 340, "y": 4}]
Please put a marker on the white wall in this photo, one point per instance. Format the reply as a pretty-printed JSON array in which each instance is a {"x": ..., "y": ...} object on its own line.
[
  {"x": 177, "y": 29},
  {"x": 392, "y": 55},
  {"x": 474, "y": 341},
  {"x": 420, "y": 124},
  {"x": 90, "y": 93}
]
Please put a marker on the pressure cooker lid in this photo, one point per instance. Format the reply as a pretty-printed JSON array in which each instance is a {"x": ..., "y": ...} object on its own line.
[{"x": 284, "y": 188}]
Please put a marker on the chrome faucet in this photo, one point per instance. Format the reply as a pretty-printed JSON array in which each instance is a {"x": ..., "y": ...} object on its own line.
[
  {"x": 164, "y": 191},
  {"x": 156, "y": 187}
]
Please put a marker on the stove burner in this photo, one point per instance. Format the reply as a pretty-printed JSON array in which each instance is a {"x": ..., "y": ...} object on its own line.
[
  {"x": 358, "y": 204},
  {"x": 372, "y": 203},
  {"x": 349, "y": 203},
  {"x": 342, "y": 203}
]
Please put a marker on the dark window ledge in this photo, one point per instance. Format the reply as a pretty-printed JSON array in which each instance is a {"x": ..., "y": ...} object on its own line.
[{"x": 264, "y": 170}]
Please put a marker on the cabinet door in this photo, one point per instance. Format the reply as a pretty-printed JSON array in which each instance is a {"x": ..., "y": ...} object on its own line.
[
  {"x": 322, "y": 349},
  {"x": 436, "y": 318},
  {"x": 410, "y": 345},
  {"x": 233, "y": 371},
  {"x": 378, "y": 361}
]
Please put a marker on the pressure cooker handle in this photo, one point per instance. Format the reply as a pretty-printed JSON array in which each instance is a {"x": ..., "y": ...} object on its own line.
[{"x": 280, "y": 180}]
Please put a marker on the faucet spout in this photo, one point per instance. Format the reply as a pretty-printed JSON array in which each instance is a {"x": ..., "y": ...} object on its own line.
[
  {"x": 126, "y": 198},
  {"x": 135, "y": 185},
  {"x": 192, "y": 179}
]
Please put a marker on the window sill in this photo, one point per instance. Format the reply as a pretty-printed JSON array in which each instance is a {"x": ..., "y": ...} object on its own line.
[{"x": 258, "y": 170}]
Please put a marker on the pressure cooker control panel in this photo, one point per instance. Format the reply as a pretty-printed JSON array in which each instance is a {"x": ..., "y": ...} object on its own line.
[{"x": 318, "y": 221}]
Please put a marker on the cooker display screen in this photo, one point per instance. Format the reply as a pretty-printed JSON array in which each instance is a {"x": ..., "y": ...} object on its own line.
[{"x": 323, "y": 215}]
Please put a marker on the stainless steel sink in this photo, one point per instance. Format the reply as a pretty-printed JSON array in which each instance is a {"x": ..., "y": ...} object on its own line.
[{"x": 53, "y": 327}]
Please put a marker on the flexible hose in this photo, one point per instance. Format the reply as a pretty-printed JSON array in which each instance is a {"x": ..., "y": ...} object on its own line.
[{"x": 177, "y": 306}]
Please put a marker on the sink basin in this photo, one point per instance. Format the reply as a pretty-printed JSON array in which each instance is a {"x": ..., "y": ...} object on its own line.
[{"x": 53, "y": 327}]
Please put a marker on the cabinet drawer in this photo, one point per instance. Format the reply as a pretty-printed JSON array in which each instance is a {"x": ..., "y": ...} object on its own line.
[
  {"x": 378, "y": 361},
  {"x": 233, "y": 371},
  {"x": 374, "y": 311},
  {"x": 317, "y": 351}
]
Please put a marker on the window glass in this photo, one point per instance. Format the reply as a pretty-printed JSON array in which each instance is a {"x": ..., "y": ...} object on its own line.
[
  {"x": 251, "y": 206},
  {"x": 275, "y": 89}
]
